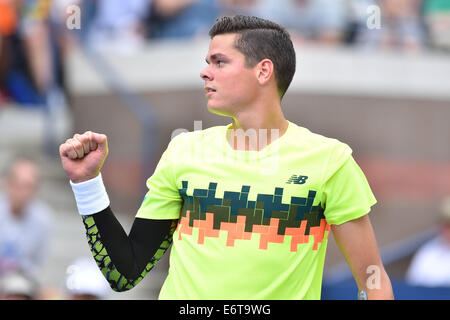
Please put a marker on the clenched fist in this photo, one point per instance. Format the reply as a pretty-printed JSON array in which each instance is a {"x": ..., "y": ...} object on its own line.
[{"x": 82, "y": 156}]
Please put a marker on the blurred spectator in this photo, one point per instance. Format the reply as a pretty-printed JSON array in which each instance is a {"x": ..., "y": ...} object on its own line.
[
  {"x": 62, "y": 38},
  {"x": 431, "y": 264},
  {"x": 244, "y": 7},
  {"x": 17, "y": 286},
  {"x": 8, "y": 17},
  {"x": 29, "y": 67},
  {"x": 118, "y": 26},
  {"x": 8, "y": 24},
  {"x": 357, "y": 16},
  {"x": 401, "y": 27},
  {"x": 84, "y": 281},
  {"x": 308, "y": 21},
  {"x": 24, "y": 220},
  {"x": 437, "y": 19},
  {"x": 35, "y": 34},
  {"x": 174, "y": 19}
]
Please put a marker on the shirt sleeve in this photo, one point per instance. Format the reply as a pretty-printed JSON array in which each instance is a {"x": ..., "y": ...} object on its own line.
[
  {"x": 163, "y": 200},
  {"x": 346, "y": 193},
  {"x": 125, "y": 259}
]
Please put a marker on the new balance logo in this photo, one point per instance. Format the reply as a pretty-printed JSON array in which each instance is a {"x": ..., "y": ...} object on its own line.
[{"x": 297, "y": 179}]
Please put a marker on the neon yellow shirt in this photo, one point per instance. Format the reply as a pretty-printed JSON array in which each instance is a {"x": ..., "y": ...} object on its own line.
[{"x": 253, "y": 224}]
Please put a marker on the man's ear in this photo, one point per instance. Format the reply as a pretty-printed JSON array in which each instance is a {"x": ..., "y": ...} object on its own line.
[{"x": 264, "y": 71}]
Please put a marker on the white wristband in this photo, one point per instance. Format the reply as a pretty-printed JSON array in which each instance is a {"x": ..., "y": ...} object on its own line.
[{"x": 90, "y": 195}]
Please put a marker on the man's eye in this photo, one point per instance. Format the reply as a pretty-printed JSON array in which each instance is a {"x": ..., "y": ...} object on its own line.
[{"x": 220, "y": 63}]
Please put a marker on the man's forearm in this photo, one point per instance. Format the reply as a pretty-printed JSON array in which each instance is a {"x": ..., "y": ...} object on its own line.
[
  {"x": 383, "y": 289},
  {"x": 124, "y": 260},
  {"x": 357, "y": 242}
]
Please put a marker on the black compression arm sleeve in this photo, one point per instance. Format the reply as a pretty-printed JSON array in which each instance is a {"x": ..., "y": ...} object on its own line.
[{"x": 125, "y": 259}]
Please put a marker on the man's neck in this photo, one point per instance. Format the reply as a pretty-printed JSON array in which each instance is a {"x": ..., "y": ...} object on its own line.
[{"x": 256, "y": 130}]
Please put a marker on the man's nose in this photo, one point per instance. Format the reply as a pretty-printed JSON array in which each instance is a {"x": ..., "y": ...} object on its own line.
[{"x": 206, "y": 74}]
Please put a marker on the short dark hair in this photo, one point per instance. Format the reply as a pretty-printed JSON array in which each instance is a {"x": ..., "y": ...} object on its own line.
[{"x": 261, "y": 39}]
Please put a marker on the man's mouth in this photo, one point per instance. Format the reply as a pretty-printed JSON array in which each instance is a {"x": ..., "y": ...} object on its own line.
[{"x": 209, "y": 91}]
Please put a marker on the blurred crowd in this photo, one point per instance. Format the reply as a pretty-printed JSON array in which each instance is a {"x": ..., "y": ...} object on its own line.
[
  {"x": 36, "y": 34},
  {"x": 25, "y": 235}
]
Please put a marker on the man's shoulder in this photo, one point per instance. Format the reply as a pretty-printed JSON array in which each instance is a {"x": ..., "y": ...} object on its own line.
[{"x": 310, "y": 139}]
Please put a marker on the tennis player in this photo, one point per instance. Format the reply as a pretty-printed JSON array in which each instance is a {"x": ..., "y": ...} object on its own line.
[{"x": 247, "y": 207}]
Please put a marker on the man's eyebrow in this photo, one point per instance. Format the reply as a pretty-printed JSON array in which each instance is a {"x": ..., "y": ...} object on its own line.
[{"x": 215, "y": 57}]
